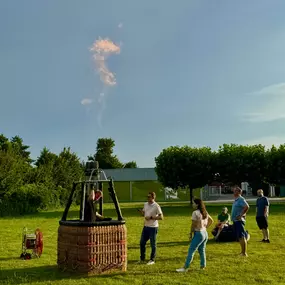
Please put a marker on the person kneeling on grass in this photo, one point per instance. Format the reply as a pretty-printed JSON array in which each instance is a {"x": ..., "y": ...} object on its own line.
[
  {"x": 223, "y": 221},
  {"x": 201, "y": 220}
]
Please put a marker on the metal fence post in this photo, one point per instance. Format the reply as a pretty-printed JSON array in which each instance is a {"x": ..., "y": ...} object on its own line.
[{"x": 131, "y": 191}]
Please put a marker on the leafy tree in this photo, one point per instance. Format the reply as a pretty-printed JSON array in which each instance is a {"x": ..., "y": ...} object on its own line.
[
  {"x": 14, "y": 170},
  {"x": 46, "y": 157},
  {"x": 185, "y": 167},
  {"x": 131, "y": 164},
  {"x": 4, "y": 143},
  {"x": 20, "y": 148},
  {"x": 67, "y": 169},
  {"x": 238, "y": 163},
  {"x": 59, "y": 170},
  {"x": 104, "y": 154},
  {"x": 45, "y": 170},
  {"x": 275, "y": 165}
]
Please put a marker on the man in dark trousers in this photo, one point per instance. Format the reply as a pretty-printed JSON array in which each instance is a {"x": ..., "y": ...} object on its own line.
[
  {"x": 152, "y": 213},
  {"x": 262, "y": 210}
]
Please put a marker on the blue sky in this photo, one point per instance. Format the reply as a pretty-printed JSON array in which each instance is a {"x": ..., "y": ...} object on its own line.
[{"x": 199, "y": 73}]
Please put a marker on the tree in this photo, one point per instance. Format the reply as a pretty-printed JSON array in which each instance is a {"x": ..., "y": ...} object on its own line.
[
  {"x": 4, "y": 143},
  {"x": 67, "y": 169},
  {"x": 131, "y": 164},
  {"x": 275, "y": 165},
  {"x": 14, "y": 170},
  {"x": 104, "y": 154},
  {"x": 59, "y": 170},
  {"x": 185, "y": 167},
  {"x": 238, "y": 163},
  {"x": 20, "y": 148},
  {"x": 46, "y": 157}
]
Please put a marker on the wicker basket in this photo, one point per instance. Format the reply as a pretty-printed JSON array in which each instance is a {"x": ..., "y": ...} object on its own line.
[{"x": 92, "y": 249}]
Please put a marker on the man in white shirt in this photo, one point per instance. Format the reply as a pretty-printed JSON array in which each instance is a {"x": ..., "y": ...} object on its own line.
[{"x": 152, "y": 213}]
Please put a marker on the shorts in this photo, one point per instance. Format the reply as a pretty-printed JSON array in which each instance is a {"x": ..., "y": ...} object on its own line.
[
  {"x": 240, "y": 229},
  {"x": 262, "y": 222}
]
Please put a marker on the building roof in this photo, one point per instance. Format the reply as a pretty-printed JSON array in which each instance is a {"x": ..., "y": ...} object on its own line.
[{"x": 130, "y": 174}]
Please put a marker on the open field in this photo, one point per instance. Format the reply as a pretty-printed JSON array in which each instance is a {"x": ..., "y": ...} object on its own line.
[{"x": 264, "y": 265}]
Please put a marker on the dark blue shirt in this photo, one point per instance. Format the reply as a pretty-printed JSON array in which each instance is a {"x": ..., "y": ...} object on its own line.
[{"x": 261, "y": 203}]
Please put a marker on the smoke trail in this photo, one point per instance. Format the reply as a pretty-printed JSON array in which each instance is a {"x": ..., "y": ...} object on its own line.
[
  {"x": 102, "y": 49},
  {"x": 86, "y": 101}
]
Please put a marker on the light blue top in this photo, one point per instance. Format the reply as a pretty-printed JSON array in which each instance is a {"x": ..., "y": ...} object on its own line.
[{"x": 237, "y": 208}]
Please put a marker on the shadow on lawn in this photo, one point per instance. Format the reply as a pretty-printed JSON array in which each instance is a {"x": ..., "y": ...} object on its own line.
[{"x": 43, "y": 274}]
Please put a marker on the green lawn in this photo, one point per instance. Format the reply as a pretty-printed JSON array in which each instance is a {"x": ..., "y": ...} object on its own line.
[{"x": 264, "y": 265}]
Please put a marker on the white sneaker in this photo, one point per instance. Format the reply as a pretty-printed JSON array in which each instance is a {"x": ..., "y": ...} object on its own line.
[
  {"x": 181, "y": 270},
  {"x": 151, "y": 262}
]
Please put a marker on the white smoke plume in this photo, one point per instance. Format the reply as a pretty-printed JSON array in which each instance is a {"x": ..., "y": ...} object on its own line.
[
  {"x": 86, "y": 101},
  {"x": 102, "y": 49}
]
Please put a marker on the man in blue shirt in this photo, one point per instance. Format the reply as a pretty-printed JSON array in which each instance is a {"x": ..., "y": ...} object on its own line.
[
  {"x": 262, "y": 209},
  {"x": 239, "y": 210}
]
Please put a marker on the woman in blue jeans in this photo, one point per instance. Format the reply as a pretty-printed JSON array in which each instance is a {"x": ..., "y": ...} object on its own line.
[{"x": 201, "y": 220}]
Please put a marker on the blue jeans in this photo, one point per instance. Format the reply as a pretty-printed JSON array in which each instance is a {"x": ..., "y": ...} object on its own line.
[
  {"x": 148, "y": 233},
  {"x": 198, "y": 242}
]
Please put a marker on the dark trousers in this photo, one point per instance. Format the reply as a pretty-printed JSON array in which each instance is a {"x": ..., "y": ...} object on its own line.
[{"x": 148, "y": 233}]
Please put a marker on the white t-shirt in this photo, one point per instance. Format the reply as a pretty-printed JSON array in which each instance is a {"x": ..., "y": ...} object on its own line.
[
  {"x": 201, "y": 224},
  {"x": 151, "y": 210}
]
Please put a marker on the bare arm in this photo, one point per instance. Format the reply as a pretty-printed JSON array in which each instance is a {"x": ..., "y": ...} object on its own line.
[
  {"x": 266, "y": 211},
  {"x": 141, "y": 211},
  {"x": 210, "y": 221}
]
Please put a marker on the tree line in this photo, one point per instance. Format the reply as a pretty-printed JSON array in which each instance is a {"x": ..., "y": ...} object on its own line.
[
  {"x": 28, "y": 185},
  {"x": 188, "y": 167}
]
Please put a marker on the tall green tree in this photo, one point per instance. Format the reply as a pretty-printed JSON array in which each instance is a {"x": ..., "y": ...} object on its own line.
[
  {"x": 21, "y": 149},
  {"x": 275, "y": 165},
  {"x": 104, "y": 154},
  {"x": 130, "y": 164},
  {"x": 14, "y": 170},
  {"x": 67, "y": 169},
  {"x": 185, "y": 167},
  {"x": 239, "y": 163},
  {"x": 4, "y": 143},
  {"x": 59, "y": 170}
]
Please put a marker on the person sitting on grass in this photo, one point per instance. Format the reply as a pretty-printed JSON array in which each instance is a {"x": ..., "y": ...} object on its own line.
[{"x": 223, "y": 221}]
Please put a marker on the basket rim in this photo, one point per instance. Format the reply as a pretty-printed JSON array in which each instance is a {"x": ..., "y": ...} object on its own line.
[{"x": 78, "y": 223}]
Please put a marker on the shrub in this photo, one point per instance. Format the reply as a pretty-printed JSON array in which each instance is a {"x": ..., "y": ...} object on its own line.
[{"x": 27, "y": 199}]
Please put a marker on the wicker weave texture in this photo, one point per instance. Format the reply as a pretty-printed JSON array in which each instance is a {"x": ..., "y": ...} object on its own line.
[{"x": 92, "y": 250}]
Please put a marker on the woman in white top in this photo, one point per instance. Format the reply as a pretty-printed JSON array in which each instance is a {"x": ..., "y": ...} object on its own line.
[{"x": 201, "y": 220}]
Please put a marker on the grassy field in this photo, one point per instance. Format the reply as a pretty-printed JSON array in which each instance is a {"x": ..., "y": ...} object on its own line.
[{"x": 264, "y": 265}]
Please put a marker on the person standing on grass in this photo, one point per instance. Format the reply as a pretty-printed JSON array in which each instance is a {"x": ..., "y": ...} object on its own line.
[
  {"x": 201, "y": 220},
  {"x": 239, "y": 210},
  {"x": 262, "y": 210},
  {"x": 152, "y": 213}
]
